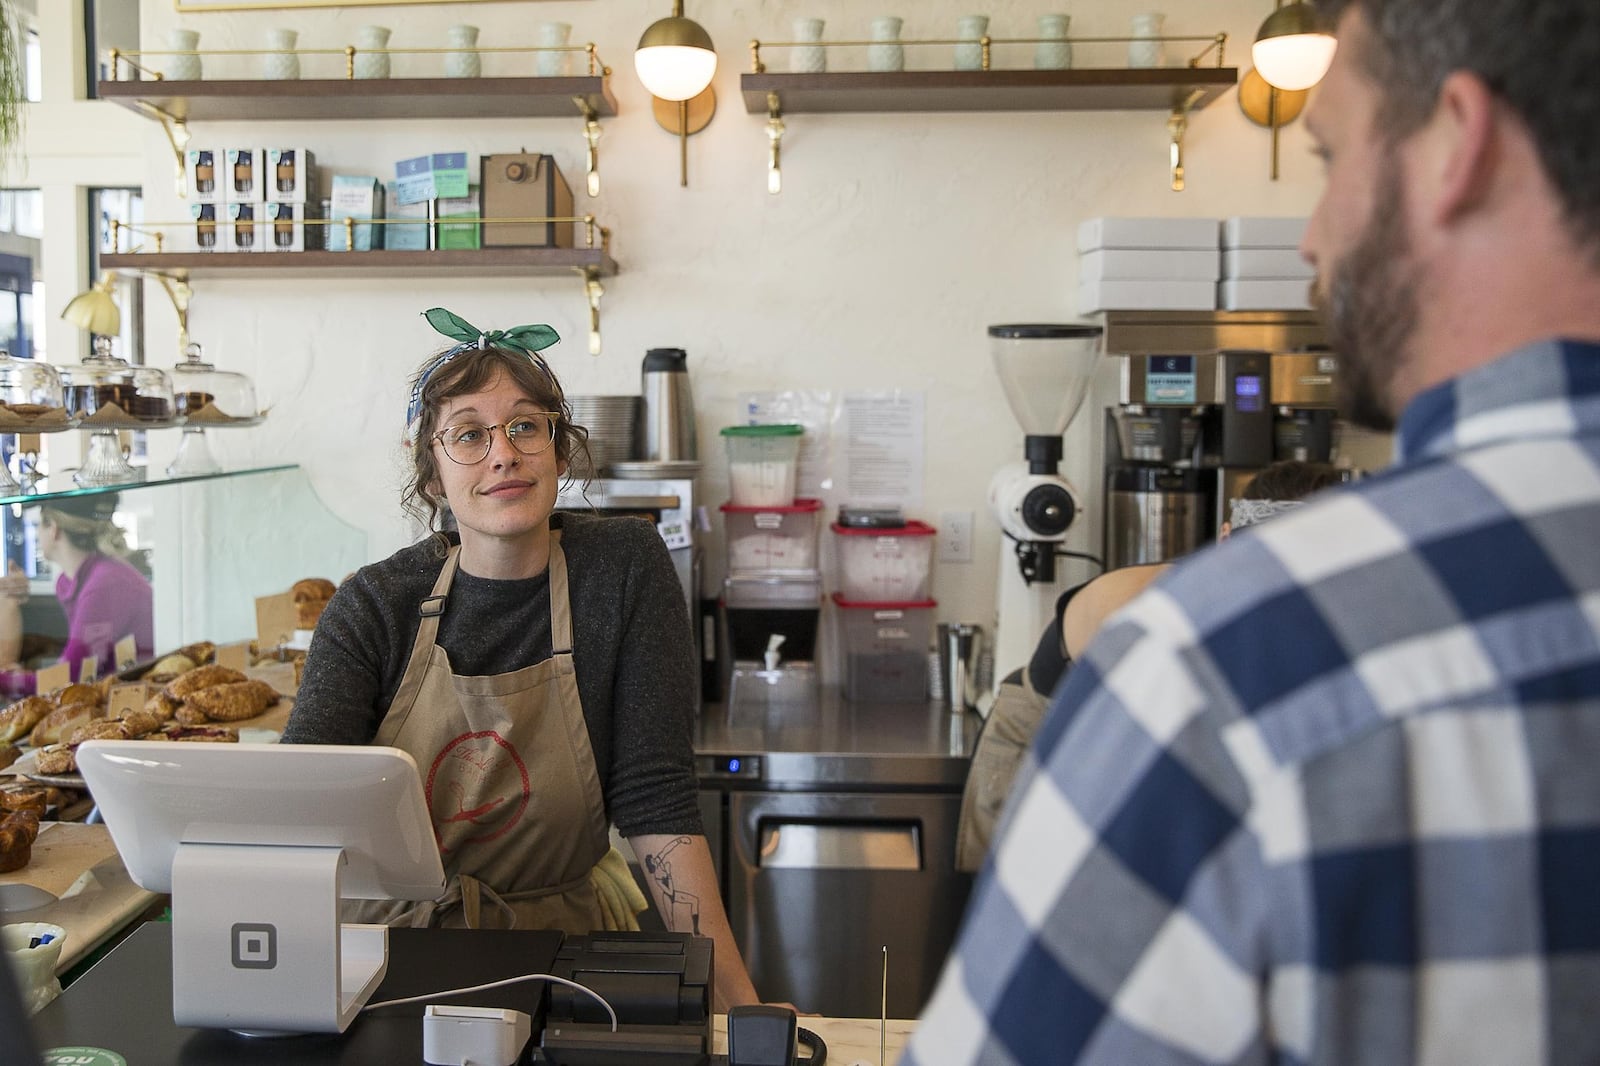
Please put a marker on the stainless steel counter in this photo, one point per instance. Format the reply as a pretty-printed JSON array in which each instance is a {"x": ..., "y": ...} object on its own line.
[{"x": 834, "y": 742}]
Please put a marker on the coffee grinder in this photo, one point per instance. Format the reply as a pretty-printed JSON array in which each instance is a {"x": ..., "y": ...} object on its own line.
[
  {"x": 1045, "y": 371},
  {"x": 1188, "y": 430}
]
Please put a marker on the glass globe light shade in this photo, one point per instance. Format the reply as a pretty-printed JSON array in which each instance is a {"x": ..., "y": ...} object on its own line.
[
  {"x": 675, "y": 59},
  {"x": 1292, "y": 50}
]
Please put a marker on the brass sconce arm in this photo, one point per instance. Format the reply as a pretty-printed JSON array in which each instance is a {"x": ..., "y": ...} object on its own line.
[{"x": 774, "y": 143}]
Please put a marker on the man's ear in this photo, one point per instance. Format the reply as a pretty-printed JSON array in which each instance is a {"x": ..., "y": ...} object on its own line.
[{"x": 1459, "y": 147}]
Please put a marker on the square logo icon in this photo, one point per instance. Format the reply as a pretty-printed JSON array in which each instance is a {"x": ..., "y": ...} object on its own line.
[{"x": 255, "y": 946}]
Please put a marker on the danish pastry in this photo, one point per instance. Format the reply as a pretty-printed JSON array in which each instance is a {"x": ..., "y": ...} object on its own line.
[
  {"x": 233, "y": 702},
  {"x": 203, "y": 677},
  {"x": 53, "y": 727},
  {"x": 56, "y": 759},
  {"x": 18, "y": 831}
]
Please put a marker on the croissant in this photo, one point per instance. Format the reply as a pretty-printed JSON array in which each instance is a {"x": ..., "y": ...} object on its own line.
[
  {"x": 53, "y": 727},
  {"x": 162, "y": 706},
  {"x": 231, "y": 703},
  {"x": 17, "y": 834},
  {"x": 18, "y": 720},
  {"x": 137, "y": 723},
  {"x": 201, "y": 651},
  {"x": 78, "y": 693},
  {"x": 202, "y": 677}
]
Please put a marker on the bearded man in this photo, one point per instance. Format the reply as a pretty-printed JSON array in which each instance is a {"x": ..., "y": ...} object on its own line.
[{"x": 1326, "y": 793}]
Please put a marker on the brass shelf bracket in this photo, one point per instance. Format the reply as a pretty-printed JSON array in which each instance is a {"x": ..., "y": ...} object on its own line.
[
  {"x": 593, "y": 289},
  {"x": 774, "y": 143},
  {"x": 177, "y": 131},
  {"x": 591, "y": 135},
  {"x": 1177, "y": 127}
]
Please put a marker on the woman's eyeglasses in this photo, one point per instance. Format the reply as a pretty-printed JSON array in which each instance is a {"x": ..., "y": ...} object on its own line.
[{"x": 469, "y": 443}]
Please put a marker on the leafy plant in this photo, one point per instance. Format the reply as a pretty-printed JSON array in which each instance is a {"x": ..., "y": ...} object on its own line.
[{"x": 12, "y": 85}]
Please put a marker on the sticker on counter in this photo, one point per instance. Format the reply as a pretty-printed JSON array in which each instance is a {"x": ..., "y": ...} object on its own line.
[{"x": 83, "y": 1056}]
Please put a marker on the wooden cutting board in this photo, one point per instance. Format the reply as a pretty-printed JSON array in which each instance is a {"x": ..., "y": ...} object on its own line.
[{"x": 62, "y": 853}]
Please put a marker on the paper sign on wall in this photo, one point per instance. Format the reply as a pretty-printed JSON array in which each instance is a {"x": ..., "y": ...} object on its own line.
[
  {"x": 235, "y": 656},
  {"x": 127, "y": 652},
  {"x": 52, "y": 677},
  {"x": 276, "y": 619}
]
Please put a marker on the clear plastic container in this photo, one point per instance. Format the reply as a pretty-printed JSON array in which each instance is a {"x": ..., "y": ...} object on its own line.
[
  {"x": 104, "y": 392},
  {"x": 761, "y": 464},
  {"x": 30, "y": 397},
  {"x": 885, "y": 648},
  {"x": 884, "y": 565},
  {"x": 206, "y": 396},
  {"x": 772, "y": 538},
  {"x": 755, "y": 608}
]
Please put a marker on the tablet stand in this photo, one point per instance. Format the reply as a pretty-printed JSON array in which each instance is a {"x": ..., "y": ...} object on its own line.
[{"x": 257, "y": 945}]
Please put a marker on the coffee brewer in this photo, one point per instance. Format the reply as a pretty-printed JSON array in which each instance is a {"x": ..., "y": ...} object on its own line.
[
  {"x": 1188, "y": 430},
  {"x": 1304, "y": 395}
]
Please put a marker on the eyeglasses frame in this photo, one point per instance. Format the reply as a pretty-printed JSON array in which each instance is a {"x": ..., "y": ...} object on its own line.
[{"x": 553, "y": 416}]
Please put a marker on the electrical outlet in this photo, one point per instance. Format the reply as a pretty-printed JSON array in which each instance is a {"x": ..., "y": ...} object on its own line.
[{"x": 955, "y": 537}]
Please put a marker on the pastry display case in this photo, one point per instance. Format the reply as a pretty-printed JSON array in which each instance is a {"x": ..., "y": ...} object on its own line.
[
  {"x": 207, "y": 398},
  {"x": 31, "y": 401},
  {"x": 105, "y": 393}
]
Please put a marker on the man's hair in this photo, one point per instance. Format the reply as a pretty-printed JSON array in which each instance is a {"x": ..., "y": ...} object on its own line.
[
  {"x": 1291, "y": 479},
  {"x": 1539, "y": 56}
]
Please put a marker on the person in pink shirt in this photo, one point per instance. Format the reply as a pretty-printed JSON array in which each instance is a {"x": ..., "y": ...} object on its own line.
[{"x": 105, "y": 597}]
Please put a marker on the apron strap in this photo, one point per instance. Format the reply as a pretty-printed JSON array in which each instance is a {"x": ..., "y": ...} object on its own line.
[
  {"x": 560, "y": 608},
  {"x": 430, "y": 610}
]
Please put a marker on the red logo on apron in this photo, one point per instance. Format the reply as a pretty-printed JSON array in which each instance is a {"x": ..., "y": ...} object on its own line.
[{"x": 469, "y": 790}]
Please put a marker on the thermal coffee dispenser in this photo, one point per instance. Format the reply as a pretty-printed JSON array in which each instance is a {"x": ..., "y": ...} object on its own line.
[{"x": 1190, "y": 429}]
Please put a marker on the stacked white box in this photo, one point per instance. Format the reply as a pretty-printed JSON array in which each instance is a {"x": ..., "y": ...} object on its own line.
[
  {"x": 1154, "y": 264},
  {"x": 1261, "y": 265}
]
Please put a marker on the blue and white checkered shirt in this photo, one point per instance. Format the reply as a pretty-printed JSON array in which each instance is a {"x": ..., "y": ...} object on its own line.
[{"x": 1329, "y": 792}]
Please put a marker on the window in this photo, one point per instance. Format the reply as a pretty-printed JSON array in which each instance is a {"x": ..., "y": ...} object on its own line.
[
  {"x": 127, "y": 207},
  {"x": 21, "y": 290},
  {"x": 108, "y": 24}
]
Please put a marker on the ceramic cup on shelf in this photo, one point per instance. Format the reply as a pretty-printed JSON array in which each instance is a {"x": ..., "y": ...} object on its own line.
[
  {"x": 808, "y": 58},
  {"x": 554, "y": 64},
  {"x": 463, "y": 63},
  {"x": 1147, "y": 49},
  {"x": 280, "y": 63},
  {"x": 890, "y": 54},
  {"x": 370, "y": 62},
  {"x": 182, "y": 67},
  {"x": 1053, "y": 52},
  {"x": 971, "y": 28}
]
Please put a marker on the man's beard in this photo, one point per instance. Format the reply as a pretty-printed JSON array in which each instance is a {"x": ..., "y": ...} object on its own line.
[{"x": 1369, "y": 305}]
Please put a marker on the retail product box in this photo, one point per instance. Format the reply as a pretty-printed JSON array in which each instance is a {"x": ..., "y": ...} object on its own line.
[
  {"x": 1265, "y": 264},
  {"x": 1292, "y": 295},
  {"x": 885, "y": 647},
  {"x": 204, "y": 234},
  {"x": 409, "y": 236},
  {"x": 1124, "y": 264},
  {"x": 355, "y": 197},
  {"x": 1263, "y": 232},
  {"x": 291, "y": 176},
  {"x": 1149, "y": 295},
  {"x": 523, "y": 185},
  {"x": 243, "y": 179},
  {"x": 884, "y": 564},
  {"x": 202, "y": 175},
  {"x": 245, "y": 228},
  {"x": 440, "y": 176},
  {"x": 772, "y": 538},
  {"x": 458, "y": 234},
  {"x": 287, "y": 229},
  {"x": 1147, "y": 233}
]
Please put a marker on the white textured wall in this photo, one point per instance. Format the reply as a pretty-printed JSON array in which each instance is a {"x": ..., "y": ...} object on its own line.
[{"x": 897, "y": 239}]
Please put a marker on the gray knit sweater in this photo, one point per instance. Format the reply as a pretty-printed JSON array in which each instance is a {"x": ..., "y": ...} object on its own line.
[{"x": 632, "y": 650}]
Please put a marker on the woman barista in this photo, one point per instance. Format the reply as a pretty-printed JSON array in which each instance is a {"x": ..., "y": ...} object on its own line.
[
  {"x": 538, "y": 667},
  {"x": 104, "y": 596}
]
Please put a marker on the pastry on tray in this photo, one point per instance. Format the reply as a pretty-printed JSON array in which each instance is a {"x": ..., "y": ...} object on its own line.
[
  {"x": 232, "y": 702},
  {"x": 311, "y": 595},
  {"x": 18, "y": 720},
  {"x": 199, "y": 678},
  {"x": 18, "y": 831},
  {"x": 54, "y": 727}
]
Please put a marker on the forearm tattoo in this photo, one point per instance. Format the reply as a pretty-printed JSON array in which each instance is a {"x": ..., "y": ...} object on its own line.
[{"x": 680, "y": 908}]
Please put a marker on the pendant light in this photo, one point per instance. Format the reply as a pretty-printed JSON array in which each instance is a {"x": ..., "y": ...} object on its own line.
[{"x": 675, "y": 59}]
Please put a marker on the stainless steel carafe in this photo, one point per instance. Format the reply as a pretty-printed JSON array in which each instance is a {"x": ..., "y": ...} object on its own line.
[{"x": 666, "y": 415}]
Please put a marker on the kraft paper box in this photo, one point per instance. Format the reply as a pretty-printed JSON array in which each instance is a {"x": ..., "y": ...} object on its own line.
[
  {"x": 291, "y": 176},
  {"x": 206, "y": 235},
  {"x": 286, "y": 228},
  {"x": 460, "y": 235},
  {"x": 242, "y": 175},
  {"x": 525, "y": 185},
  {"x": 407, "y": 237},
  {"x": 245, "y": 228},
  {"x": 202, "y": 175},
  {"x": 357, "y": 198},
  {"x": 440, "y": 176}
]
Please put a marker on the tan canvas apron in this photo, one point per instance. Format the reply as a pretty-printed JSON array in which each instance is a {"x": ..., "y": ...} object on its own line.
[{"x": 510, "y": 779}]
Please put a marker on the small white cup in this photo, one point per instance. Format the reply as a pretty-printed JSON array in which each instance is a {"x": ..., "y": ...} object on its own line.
[{"x": 32, "y": 961}]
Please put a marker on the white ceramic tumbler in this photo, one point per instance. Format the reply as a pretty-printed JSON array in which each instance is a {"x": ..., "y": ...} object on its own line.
[
  {"x": 182, "y": 67},
  {"x": 971, "y": 28},
  {"x": 1053, "y": 52},
  {"x": 808, "y": 58},
  {"x": 371, "y": 63},
  {"x": 1147, "y": 49},
  {"x": 554, "y": 64},
  {"x": 463, "y": 63},
  {"x": 280, "y": 63},
  {"x": 890, "y": 55}
]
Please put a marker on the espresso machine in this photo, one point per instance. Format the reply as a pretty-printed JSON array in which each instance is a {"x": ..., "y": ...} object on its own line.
[
  {"x": 1304, "y": 392},
  {"x": 1188, "y": 430}
]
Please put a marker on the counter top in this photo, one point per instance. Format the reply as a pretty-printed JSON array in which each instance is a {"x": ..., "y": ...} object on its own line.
[
  {"x": 95, "y": 896},
  {"x": 849, "y": 1040},
  {"x": 829, "y": 740}
]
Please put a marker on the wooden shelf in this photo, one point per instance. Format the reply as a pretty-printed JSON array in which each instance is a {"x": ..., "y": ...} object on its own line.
[
  {"x": 377, "y": 98},
  {"x": 1158, "y": 89},
  {"x": 478, "y": 262}
]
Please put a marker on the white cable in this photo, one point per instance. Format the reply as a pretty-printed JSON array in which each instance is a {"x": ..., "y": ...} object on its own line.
[{"x": 500, "y": 984}]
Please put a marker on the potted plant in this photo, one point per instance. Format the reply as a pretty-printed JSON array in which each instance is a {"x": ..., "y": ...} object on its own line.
[{"x": 12, "y": 87}]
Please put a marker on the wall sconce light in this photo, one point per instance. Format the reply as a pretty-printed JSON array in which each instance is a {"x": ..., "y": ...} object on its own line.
[
  {"x": 1266, "y": 105},
  {"x": 96, "y": 311},
  {"x": 676, "y": 61},
  {"x": 1293, "y": 49}
]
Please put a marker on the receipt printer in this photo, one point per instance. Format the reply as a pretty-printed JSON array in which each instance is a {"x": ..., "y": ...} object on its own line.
[{"x": 658, "y": 983}]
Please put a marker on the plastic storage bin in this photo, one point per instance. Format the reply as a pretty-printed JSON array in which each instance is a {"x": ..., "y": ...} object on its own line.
[
  {"x": 885, "y": 648},
  {"x": 756, "y": 607},
  {"x": 761, "y": 464},
  {"x": 772, "y": 538},
  {"x": 884, "y": 565}
]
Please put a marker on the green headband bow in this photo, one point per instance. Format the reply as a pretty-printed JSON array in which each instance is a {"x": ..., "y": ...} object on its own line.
[{"x": 527, "y": 339}]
